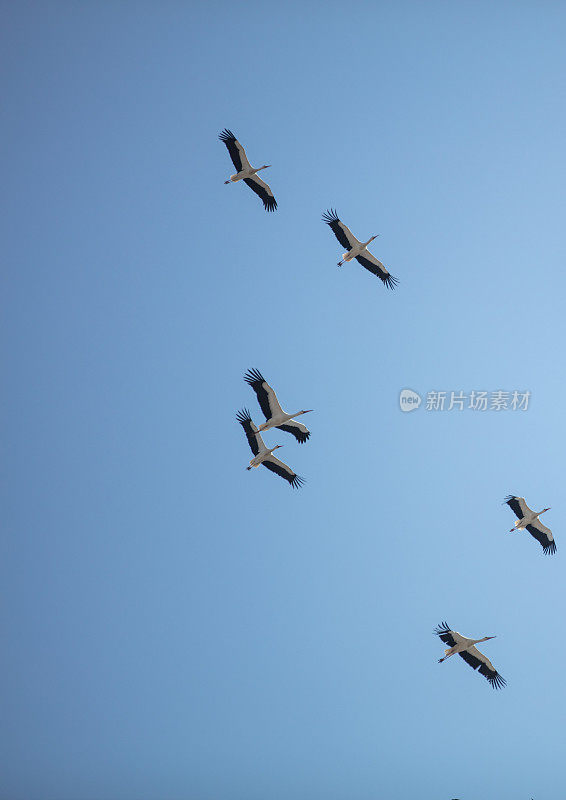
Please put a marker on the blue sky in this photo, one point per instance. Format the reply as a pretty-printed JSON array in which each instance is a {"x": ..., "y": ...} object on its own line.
[{"x": 174, "y": 626}]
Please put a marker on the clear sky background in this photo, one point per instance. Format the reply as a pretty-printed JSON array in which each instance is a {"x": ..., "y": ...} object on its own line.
[{"x": 174, "y": 626}]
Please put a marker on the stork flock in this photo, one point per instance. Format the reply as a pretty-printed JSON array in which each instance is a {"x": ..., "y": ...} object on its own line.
[{"x": 275, "y": 417}]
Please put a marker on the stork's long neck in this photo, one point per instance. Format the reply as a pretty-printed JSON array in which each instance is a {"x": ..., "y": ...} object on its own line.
[{"x": 298, "y": 414}]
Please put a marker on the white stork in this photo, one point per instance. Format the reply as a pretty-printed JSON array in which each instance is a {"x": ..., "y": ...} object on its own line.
[
  {"x": 530, "y": 520},
  {"x": 263, "y": 455},
  {"x": 274, "y": 414},
  {"x": 466, "y": 649},
  {"x": 358, "y": 250},
  {"x": 246, "y": 172}
]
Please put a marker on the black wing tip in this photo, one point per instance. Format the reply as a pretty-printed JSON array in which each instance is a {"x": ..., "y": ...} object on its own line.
[
  {"x": 226, "y": 136},
  {"x": 253, "y": 376},
  {"x": 297, "y": 481},
  {"x": 509, "y": 498},
  {"x": 390, "y": 281},
  {"x": 497, "y": 681},
  {"x": 243, "y": 416},
  {"x": 549, "y": 549},
  {"x": 330, "y": 216},
  {"x": 300, "y": 436},
  {"x": 263, "y": 192},
  {"x": 442, "y": 628}
]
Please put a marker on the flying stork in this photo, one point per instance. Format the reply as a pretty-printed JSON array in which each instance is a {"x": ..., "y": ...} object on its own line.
[
  {"x": 466, "y": 649},
  {"x": 274, "y": 414},
  {"x": 357, "y": 250},
  {"x": 263, "y": 455},
  {"x": 530, "y": 520},
  {"x": 246, "y": 172}
]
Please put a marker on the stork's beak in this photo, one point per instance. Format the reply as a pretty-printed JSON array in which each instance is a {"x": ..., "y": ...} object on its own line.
[{"x": 491, "y": 637}]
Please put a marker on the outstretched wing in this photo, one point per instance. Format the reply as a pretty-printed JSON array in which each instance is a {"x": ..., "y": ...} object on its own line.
[
  {"x": 250, "y": 430},
  {"x": 517, "y": 506},
  {"x": 263, "y": 191},
  {"x": 446, "y": 635},
  {"x": 297, "y": 429},
  {"x": 374, "y": 265},
  {"x": 274, "y": 465},
  {"x": 266, "y": 397},
  {"x": 237, "y": 152},
  {"x": 475, "y": 659},
  {"x": 341, "y": 231},
  {"x": 543, "y": 535}
]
